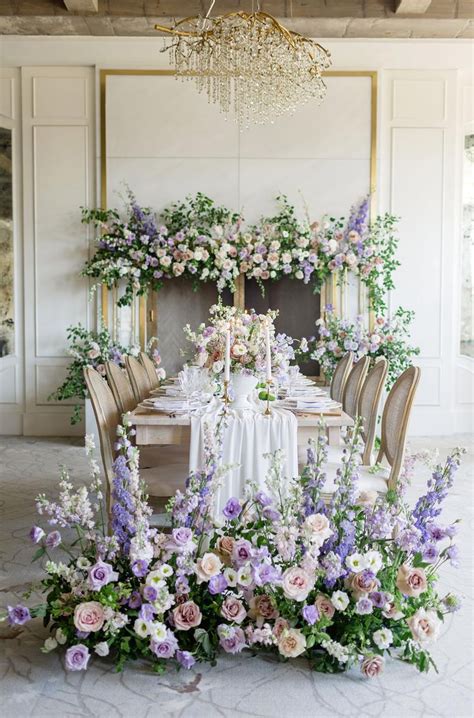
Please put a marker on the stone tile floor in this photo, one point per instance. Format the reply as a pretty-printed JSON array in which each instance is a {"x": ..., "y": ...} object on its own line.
[{"x": 36, "y": 685}]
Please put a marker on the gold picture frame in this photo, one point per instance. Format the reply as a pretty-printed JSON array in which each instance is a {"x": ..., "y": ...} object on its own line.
[{"x": 329, "y": 292}]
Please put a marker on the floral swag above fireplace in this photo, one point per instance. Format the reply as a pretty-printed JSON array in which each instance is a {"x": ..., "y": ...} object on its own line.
[{"x": 199, "y": 240}]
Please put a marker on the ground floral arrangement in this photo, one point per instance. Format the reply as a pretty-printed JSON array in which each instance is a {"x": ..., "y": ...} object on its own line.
[
  {"x": 345, "y": 583},
  {"x": 198, "y": 240},
  {"x": 247, "y": 342},
  {"x": 94, "y": 349},
  {"x": 389, "y": 337}
]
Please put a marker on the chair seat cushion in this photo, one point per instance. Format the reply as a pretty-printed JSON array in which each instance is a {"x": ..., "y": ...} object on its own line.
[{"x": 368, "y": 479}]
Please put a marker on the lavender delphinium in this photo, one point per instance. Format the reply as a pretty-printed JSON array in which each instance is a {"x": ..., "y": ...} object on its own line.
[{"x": 313, "y": 475}]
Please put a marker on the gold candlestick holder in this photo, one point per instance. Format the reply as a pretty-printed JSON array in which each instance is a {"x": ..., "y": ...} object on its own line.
[
  {"x": 268, "y": 411},
  {"x": 226, "y": 394}
]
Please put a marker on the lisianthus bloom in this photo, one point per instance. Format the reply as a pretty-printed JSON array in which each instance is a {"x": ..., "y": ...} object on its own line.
[
  {"x": 340, "y": 600},
  {"x": 185, "y": 659},
  {"x": 89, "y": 616},
  {"x": 383, "y": 638},
  {"x": 411, "y": 581},
  {"x": 424, "y": 625},
  {"x": 53, "y": 539},
  {"x": 102, "y": 649},
  {"x": 291, "y": 643},
  {"x": 36, "y": 534},
  {"x": 77, "y": 657},
  {"x": 372, "y": 666},
  {"x": 231, "y": 638},
  {"x": 232, "y": 508},
  {"x": 18, "y": 615}
]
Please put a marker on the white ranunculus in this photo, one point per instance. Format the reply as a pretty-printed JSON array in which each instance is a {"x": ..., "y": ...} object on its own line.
[{"x": 102, "y": 649}]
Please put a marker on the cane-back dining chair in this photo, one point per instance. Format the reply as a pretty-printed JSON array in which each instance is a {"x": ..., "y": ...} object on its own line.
[
  {"x": 395, "y": 418},
  {"x": 107, "y": 417},
  {"x": 138, "y": 378},
  {"x": 353, "y": 386},
  {"x": 150, "y": 369},
  {"x": 368, "y": 406},
  {"x": 121, "y": 388},
  {"x": 340, "y": 376}
]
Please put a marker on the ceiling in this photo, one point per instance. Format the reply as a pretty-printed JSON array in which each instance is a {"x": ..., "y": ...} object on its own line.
[{"x": 314, "y": 18}]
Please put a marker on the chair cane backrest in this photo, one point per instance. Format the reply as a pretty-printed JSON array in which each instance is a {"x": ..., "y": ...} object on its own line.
[
  {"x": 368, "y": 407},
  {"x": 107, "y": 417},
  {"x": 149, "y": 367},
  {"x": 121, "y": 388},
  {"x": 395, "y": 417},
  {"x": 138, "y": 378},
  {"x": 340, "y": 375},
  {"x": 354, "y": 383}
]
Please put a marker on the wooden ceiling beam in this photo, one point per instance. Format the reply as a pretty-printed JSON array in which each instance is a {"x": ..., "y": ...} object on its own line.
[
  {"x": 411, "y": 7},
  {"x": 79, "y": 6}
]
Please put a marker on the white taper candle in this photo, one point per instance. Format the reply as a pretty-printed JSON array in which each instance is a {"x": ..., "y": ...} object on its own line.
[
  {"x": 227, "y": 356},
  {"x": 268, "y": 353}
]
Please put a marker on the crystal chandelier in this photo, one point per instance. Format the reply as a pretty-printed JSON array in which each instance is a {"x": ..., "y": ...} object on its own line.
[{"x": 249, "y": 63}]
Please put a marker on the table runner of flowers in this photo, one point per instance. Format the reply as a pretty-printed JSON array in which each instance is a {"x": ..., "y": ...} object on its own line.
[{"x": 350, "y": 582}]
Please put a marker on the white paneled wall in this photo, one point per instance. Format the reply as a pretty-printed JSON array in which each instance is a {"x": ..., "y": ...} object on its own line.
[
  {"x": 11, "y": 366},
  {"x": 418, "y": 180},
  {"x": 47, "y": 97},
  {"x": 58, "y": 161}
]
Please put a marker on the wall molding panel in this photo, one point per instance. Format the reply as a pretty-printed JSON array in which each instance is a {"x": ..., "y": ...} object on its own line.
[{"x": 58, "y": 169}]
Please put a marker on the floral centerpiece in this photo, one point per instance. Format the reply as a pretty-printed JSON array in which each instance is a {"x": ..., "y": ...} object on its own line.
[
  {"x": 94, "y": 349},
  {"x": 247, "y": 342},
  {"x": 195, "y": 239},
  {"x": 336, "y": 336},
  {"x": 345, "y": 583}
]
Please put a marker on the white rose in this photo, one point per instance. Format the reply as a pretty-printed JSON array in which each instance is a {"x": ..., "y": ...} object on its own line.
[
  {"x": 165, "y": 261},
  {"x": 316, "y": 528},
  {"x": 296, "y": 583},
  {"x": 424, "y": 625},
  {"x": 292, "y": 643},
  {"x": 207, "y": 566}
]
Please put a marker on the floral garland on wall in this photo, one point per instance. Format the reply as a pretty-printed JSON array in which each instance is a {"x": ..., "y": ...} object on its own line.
[
  {"x": 347, "y": 584},
  {"x": 201, "y": 241}
]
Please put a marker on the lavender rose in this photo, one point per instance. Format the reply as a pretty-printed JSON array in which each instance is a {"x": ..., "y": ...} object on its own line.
[
  {"x": 77, "y": 657},
  {"x": 187, "y": 615},
  {"x": 100, "y": 574},
  {"x": 166, "y": 648},
  {"x": 372, "y": 666},
  {"x": 18, "y": 615}
]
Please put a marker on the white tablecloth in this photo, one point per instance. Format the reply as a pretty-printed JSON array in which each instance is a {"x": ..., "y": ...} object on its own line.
[{"x": 249, "y": 435}]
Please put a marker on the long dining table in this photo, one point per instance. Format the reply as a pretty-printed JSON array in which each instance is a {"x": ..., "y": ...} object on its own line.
[{"x": 156, "y": 428}]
